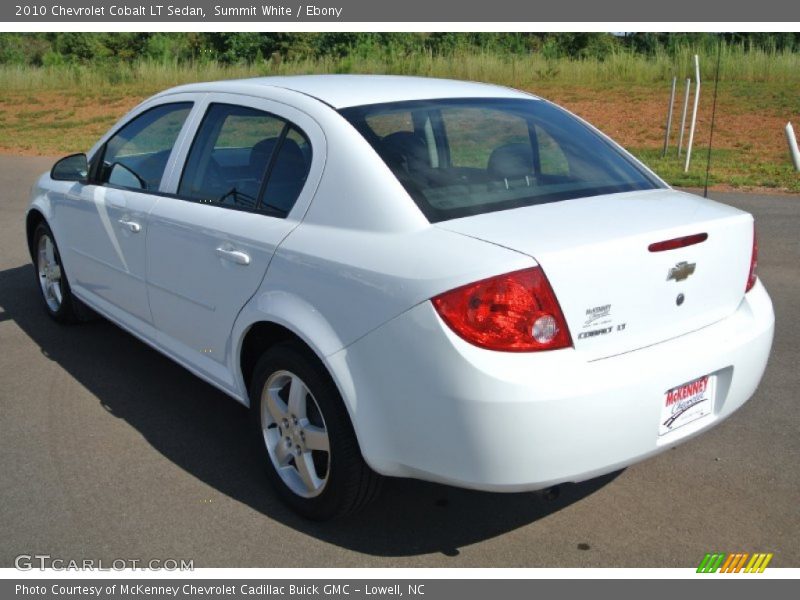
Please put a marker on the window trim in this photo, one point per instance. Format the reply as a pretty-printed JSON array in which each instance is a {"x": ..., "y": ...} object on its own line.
[{"x": 266, "y": 212}]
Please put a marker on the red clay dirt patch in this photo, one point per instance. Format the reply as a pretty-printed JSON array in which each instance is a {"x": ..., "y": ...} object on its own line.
[
  {"x": 636, "y": 117},
  {"x": 53, "y": 123}
]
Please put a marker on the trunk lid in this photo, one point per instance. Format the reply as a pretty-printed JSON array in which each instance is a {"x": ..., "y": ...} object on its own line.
[{"x": 616, "y": 294}]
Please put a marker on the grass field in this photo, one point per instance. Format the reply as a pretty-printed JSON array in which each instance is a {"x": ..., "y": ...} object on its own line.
[{"x": 58, "y": 110}]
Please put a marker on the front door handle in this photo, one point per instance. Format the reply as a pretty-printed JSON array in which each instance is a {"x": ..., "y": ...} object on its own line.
[
  {"x": 234, "y": 256},
  {"x": 132, "y": 226}
]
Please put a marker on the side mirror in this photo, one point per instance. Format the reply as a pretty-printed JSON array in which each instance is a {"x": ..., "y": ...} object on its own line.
[{"x": 74, "y": 167}]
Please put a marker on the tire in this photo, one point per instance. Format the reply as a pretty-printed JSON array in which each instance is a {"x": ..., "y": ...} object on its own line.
[
  {"x": 59, "y": 302},
  {"x": 298, "y": 412}
]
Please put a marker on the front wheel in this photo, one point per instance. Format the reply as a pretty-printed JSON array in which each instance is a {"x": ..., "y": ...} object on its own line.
[
  {"x": 53, "y": 284},
  {"x": 311, "y": 451}
]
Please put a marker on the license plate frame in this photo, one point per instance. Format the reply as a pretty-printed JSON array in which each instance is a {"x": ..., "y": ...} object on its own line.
[{"x": 687, "y": 403}]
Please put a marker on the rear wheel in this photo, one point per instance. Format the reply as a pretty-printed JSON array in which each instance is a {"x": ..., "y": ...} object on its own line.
[
  {"x": 53, "y": 284},
  {"x": 312, "y": 454}
]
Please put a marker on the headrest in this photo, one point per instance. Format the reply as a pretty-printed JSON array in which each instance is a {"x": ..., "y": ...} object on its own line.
[
  {"x": 408, "y": 146},
  {"x": 511, "y": 161},
  {"x": 260, "y": 153}
]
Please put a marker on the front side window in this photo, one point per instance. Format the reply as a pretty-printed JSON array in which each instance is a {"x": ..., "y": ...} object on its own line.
[
  {"x": 460, "y": 157},
  {"x": 135, "y": 157},
  {"x": 246, "y": 158}
]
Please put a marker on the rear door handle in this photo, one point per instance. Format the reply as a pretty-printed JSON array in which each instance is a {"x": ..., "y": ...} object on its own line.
[
  {"x": 132, "y": 226},
  {"x": 234, "y": 256}
]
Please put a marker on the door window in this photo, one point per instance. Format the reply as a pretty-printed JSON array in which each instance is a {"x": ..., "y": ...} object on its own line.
[
  {"x": 246, "y": 158},
  {"x": 289, "y": 172},
  {"x": 135, "y": 157}
]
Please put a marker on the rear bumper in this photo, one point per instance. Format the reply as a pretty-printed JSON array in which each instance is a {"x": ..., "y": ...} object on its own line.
[{"x": 427, "y": 404}]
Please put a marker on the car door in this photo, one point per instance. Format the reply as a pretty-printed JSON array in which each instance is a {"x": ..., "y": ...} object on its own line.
[
  {"x": 210, "y": 244},
  {"x": 105, "y": 222}
]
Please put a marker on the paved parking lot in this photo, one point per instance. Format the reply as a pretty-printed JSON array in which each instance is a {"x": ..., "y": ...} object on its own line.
[{"x": 110, "y": 450}]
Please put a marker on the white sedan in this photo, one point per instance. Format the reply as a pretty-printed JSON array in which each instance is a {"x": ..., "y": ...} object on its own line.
[{"x": 410, "y": 277}]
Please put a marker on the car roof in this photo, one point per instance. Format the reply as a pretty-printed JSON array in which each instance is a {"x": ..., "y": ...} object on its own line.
[{"x": 341, "y": 91}]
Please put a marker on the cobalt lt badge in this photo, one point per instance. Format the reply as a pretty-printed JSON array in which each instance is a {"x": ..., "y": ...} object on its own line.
[{"x": 681, "y": 271}]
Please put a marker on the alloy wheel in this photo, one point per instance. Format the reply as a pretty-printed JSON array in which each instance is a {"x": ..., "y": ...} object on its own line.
[
  {"x": 49, "y": 271},
  {"x": 295, "y": 434}
]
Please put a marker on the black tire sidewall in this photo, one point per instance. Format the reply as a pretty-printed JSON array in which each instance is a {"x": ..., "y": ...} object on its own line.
[{"x": 343, "y": 468}]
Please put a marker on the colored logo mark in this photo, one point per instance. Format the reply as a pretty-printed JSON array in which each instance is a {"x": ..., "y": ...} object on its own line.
[{"x": 734, "y": 563}]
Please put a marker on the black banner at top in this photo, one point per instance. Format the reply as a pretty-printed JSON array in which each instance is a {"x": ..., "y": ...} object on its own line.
[{"x": 443, "y": 11}]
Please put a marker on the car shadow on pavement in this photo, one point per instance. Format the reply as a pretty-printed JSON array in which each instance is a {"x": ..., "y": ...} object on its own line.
[{"x": 205, "y": 433}]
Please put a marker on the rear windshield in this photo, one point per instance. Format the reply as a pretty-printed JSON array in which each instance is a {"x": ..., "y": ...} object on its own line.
[{"x": 460, "y": 157}]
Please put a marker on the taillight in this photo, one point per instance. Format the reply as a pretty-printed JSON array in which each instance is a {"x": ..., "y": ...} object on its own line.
[
  {"x": 751, "y": 278},
  {"x": 515, "y": 312}
]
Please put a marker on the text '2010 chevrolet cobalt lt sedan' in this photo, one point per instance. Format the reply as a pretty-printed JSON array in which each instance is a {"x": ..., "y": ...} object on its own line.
[{"x": 409, "y": 277}]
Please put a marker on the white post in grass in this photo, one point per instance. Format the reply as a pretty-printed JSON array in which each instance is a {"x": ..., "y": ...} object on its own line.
[
  {"x": 694, "y": 112},
  {"x": 669, "y": 117},
  {"x": 790, "y": 137},
  {"x": 685, "y": 110}
]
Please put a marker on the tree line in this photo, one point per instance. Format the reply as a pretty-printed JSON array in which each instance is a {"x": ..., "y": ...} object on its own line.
[{"x": 64, "y": 48}]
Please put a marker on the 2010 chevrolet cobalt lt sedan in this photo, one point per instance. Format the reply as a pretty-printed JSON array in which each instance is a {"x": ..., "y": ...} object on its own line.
[{"x": 409, "y": 277}]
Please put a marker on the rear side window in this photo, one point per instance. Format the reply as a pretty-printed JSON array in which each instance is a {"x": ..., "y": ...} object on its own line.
[
  {"x": 289, "y": 171},
  {"x": 246, "y": 158},
  {"x": 461, "y": 157},
  {"x": 135, "y": 157}
]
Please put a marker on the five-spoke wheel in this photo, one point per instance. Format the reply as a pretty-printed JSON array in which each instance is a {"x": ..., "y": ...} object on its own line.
[
  {"x": 295, "y": 434},
  {"x": 50, "y": 274},
  {"x": 313, "y": 457}
]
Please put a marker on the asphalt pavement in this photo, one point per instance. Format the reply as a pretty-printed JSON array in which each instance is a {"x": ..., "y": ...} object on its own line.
[{"x": 109, "y": 450}]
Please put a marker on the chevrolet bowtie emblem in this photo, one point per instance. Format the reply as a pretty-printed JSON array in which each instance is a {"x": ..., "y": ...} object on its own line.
[{"x": 681, "y": 271}]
